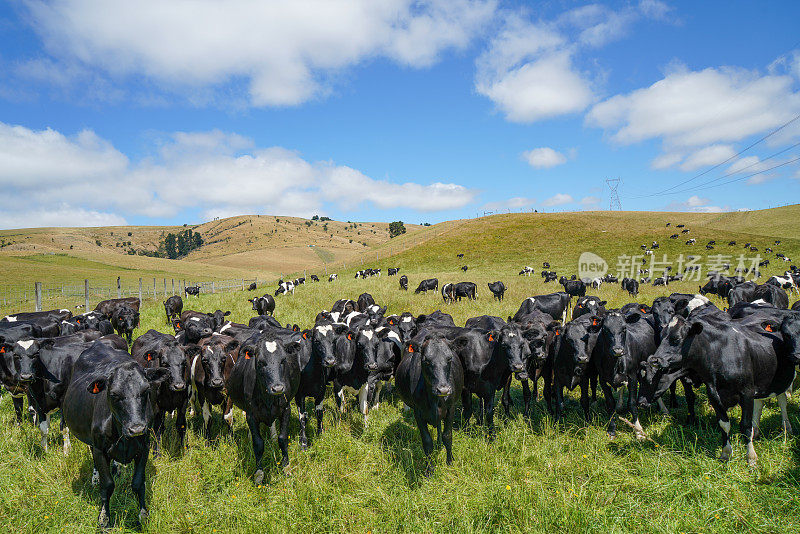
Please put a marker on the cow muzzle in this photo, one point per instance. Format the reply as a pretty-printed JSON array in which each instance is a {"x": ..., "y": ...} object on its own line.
[
  {"x": 178, "y": 386},
  {"x": 277, "y": 389},
  {"x": 443, "y": 391},
  {"x": 136, "y": 430}
]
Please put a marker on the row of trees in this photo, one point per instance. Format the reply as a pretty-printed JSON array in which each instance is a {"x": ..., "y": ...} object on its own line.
[{"x": 178, "y": 245}]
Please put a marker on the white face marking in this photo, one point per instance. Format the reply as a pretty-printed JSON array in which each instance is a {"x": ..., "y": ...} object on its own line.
[
  {"x": 194, "y": 318},
  {"x": 512, "y": 334},
  {"x": 335, "y": 316},
  {"x": 407, "y": 319},
  {"x": 367, "y": 334},
  {"x": 225, "y": 327},
  {"x": 532, "y": 299},
  {"x": 25, "y": 344},
  {"x": 673, "y": 322},
  {"x": 62, "y": 310},
  {"x": 696, "y": 302},
  {"x": 324, "y": 329},
  {"x": 272, "y": 346},
  {"x": 11, "y": 318},
  {"x": 393, "y": 335},
  {"x": 374, "y": 308}
]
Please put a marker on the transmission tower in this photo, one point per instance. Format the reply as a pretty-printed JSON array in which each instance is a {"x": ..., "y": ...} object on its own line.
[{"x": 613, "y": 186}]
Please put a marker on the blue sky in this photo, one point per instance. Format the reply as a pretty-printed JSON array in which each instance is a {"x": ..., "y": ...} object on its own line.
[{"x": 152, "y": 112}]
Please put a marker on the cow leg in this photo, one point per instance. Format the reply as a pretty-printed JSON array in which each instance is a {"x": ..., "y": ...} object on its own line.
[
  {"x": 746, "y": 428},
  {"x": 427, "y": 443},
  {"x": 207, "y": 419},
  {"x": 363, "y": 402},
  {"x": 466, "y": 406},
  {"x": 688, "y": 391},
  {"x": 633, "y": 395},
  {"x": 505, "y": 399},
  {"x": 593, "y": 380},
  {"x": 258, "y": 447},
  {"x": 180, "y": 425},
  {"x": 44, "y": 427},
  {"x": 283, "y": 437},
  {"x": 559, "y": 401},
  {"x": 300, "y": 400},
  {"x": 138, "y": 486},
  {"x": 787, "y": 426},
  {"x": 228, "y": 413},
  {"x": 673, "y": 397},
  {"x": 489, "y": 403},
  {"x": 585, "y": 404},
  {"x": 158, "y": 430},
  {"x": 338, "y": 394},
  {"x": 106, "y": 481},
  {"x": 725, "y": 426},
  {"x": 662, "y": 408},
  {"x": 375, "y": 393},
  {"x": 18, "y": 405},
  {"x": 318, "y": 410},
  {"x": 758, "y": 405},
  {"x": 611, "y": 406},
  {"x": 447, "y": 435},
  {"x": 526, "y": 395},
  {"x": 65, "y": 434}
]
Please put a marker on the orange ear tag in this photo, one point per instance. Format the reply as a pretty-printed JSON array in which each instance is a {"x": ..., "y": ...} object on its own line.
[
  {"x": 411, "y": 348},
  {"x": 768, "y": 328},
  {"x": 247, "y": 355},
  {"x": 96, "y": 388}
]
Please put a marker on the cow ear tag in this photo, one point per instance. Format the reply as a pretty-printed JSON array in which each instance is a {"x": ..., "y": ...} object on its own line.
[
  {"x": 95, "y": 388},
  {"x": 305, "y": 335},
  {"x": 247, "y": 355},
  {"x": 411, "y": 348},
  {"x": 2, "y": 350},
  {"x": 768, "y": 327},
  {"x": 491, "y": 337}
]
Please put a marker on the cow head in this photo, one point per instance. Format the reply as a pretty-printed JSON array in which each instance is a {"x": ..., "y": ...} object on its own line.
[
  {"x": 514, "y": 347},
  {"x": 194, "y": 329},
  {"x": 344, "y": 348},
  {"x": 276, "y": 364},
  {"x": 367, "y": 347},
  {"x": 323, "y": 340},
  {"x": 172, "y": 357},
  {"x": 11, "y": 364},
  {"x": 664, "y": 367},
  {"x": 437, "y": 360},
  {"x": 218, "y": 318},
  {"x": 212, "y": 358},
  {"x": 128, "y": 392}
]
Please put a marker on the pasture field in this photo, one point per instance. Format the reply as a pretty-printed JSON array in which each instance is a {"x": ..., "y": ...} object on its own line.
[{"x": 536, "y": 476}]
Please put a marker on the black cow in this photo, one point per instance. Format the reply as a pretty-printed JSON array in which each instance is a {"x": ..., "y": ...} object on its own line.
[
  {"x": 155, "y": 350},
  {"x": 485, "y": 322},
  {"x": 209, "y": 368},
  {"x": 364, "y": 302},
  {"x": 553, "y": 304},
  {"x": 404, "y": 282},
  {"x": 436, "y": 318},
  {"x": 252, "y": 286},
  {"x": 262, "y": 382},
  {"x": 13, "y": 332},
  {"x": 314, "y": 278},
  {"x": 192, "y": 290},
  {"x": 263, "y": 305},
  {"x": 93, "y": 320},
  {"x": 464, "y": 268},
  {"x": 743, "y": 292},
  {"x": 738, "y": 364},
  {"x": 108, "y": 406},
  {"x": 393, "y": 270},
  {"x": 430, "y": 379},
  {"x": 107, "y": 307},
  {"x": 591, "y": 305},
  {"x": 431, "y": 284},
  {"x": 58, "y": 315},
  {"x": 771, "y": 294},
  {"x": 631, "y": 286},
  {"x": 192, "y": 328},
  {"x": 498, "y": 289},
  {"x": 571, "y": 360},
  {"x": 173, "y": 307},
  {"x": 575, "y": 288},
  {"x": 405, "y": 325},
  {"x": 355, "y": 368},
  {"x": 124, "y": 320}
]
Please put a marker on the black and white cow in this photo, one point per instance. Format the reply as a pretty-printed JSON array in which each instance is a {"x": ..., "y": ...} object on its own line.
[
  {"x": 553, "y": 304},
  {"x": 404, "y": 282},
  {"x": 431, "y": 284},
  {"x": 263, "y": 305}
]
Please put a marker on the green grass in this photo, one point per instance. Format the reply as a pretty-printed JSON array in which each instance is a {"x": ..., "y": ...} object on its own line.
[{"x": 535, "y": 476}]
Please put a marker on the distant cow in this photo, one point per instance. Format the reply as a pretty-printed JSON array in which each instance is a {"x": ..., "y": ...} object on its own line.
[
  {"x": 393, "y": 271},
  {"x": 404, "y": 282},
  {"x": 526, "y": 271},
  {"x": 332, "y": 277},
  {"x": 464, "y": 268},
  {"x": 107, "y": 307},
  {"x": 314, "y": 278},
  {"x": 263, "y": 305},
  {"x": 431, "y": 284},
  {"x": 631, "y": 286},
  {"x": 173, "y": 307},
  {"x": 124, "y": 320},
  {"x": 498, "y": 289}
]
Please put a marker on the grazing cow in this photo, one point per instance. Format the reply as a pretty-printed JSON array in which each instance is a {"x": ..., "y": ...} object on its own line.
[
  {"x": 173, "y": 307},
  {"x": 674, "y": 236},
  {"x": 263, "y": 380},
  {"x": 209, "y": 368},
  {"x": 107, "y": 307},
  {"x": 680, "y": 225},
  {"x": 731, "y": 243},
  {"x": 191, "y": 290},
  {"x": 526, "y": 271},
  {"x": 772, "y": 294},
  {"x": 391, "y": 271},
  {"x": 610, "y": 278},
  {"x": 448, "y": 294},
  {"x": 570, "y": 366},
  {"x": 685, "y": 231},
  {"x": 285, "y": 288},
  {"x": 155, "y": 350},
  {"x": 691, "y": 241},
  {"x": 553, "y": 304},
  {"x": 252, "y": 286},
  {"x": 631, "y": 286},
  {"x": 460, "y": 255},
  {"x": 124, "y": 320},
  {"x": 429, "y": 379},
  {"x": 737, "y": 363},
  {"x": 333, "y": 277},
  {"x": 464, "y": 268},
  {"x": 314, "y": 278},
  {"x": 459, "y": 290},
  {"x": 498, "y": 289},
  {"x": 589, "y": 305},
  {"x": 431, "y": 284},
  {"x": 574, "y": 288},
  {"x": 107, "y": 405},
  {"x": 263, "y": 305}
]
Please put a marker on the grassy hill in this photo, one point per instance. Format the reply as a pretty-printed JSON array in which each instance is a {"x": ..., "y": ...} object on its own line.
[{"x": 535, "y": 476}]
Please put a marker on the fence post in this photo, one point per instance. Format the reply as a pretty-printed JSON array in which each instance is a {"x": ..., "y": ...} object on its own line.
[
  {"x": 165, "y": 287},
  {"x": 242, "y": 284},
  {"x": 173, "y": 286},
  {"x": 119, "y": 289},
  {"x": 86, "y": 295},
  {"x": 212, "y": 287},
  {"x": 38, "y": 287},
  {"x": 140, "y": 289}
]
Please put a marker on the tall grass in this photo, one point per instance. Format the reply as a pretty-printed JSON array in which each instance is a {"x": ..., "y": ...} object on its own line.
[{"x": 535, "y": 476}]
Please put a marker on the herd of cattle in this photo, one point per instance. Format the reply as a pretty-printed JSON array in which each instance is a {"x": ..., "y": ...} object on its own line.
[{"x": 112, "y": 391}]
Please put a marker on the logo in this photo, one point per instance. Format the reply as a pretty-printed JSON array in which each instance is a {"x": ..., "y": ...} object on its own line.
[{"x": 591, "y": 265}]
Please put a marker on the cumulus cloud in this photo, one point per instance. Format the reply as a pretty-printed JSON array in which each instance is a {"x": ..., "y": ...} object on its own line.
[
  {"x": 590, "y": 202},
  {"x": 285, "y": 51},
  {"x": 691, "y": 109},
  {"x": 514, "y": 203},
  {"x": 62, "y": 215},
  {"x": 558, "y": 199},
  {"x": 543, "y": 158},
  {"x": 84, "y": 178},
  {"x": 696, "y": 204}
]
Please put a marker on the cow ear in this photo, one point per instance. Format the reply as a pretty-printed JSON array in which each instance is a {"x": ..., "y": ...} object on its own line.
[
  {"x": 412, "y": 347},
  {"x": 156, "y": 375},
  {"x": 597, "y": 323},
  {"x": 192, "y": 350},
  {"x": 632, "y": 318},
  {"x": 695, "y": 329},
  {"x": 771, "y": 326},
  {"x": 96, "y": 386},
  {"x": 249, "y": 300},
  {"x": 232, "y": 346},
  {"x": 227, "y": 313},
  {"x": 306, "y": 334}
]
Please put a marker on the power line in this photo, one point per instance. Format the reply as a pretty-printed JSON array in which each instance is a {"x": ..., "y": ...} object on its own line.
[
  {"x": 773, "y": 132},
  {"x": 696, "y": 188}
]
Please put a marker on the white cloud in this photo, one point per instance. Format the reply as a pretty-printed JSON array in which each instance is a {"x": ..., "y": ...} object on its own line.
[
  {"x": 696, "y": 204},
  {"x": 514, "y": 203},
  {"x": 284, "y": 50},
  {"x": 590, "y": 202},
  {"x": 528, "y": 72},
  {"x": 63, "y": 215},
  {"x": 696, "y": 108},
  {"x": 543, "y": 158},
  {"x": 84, "y": 177},
  {"x": 558, "y": 199},
  {"x": 707, "y": 156}
]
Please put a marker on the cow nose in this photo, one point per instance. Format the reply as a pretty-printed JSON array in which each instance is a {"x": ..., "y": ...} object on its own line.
[
  {"x": 178, "y": 386},
  {"x": 444, "y": 391},
  {"x": 517, "y": 367},
  {"x": 329, "y": 361},
  {"x": 26, "y": 377},
  {"x": 372, "y": 367},
  {"x": 217, "y": 383},
  {"x": 136, "y": 430},
  {"x": 277, "y": 389}
]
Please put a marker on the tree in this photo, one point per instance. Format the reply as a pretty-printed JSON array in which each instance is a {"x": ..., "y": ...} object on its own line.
[{"x": 396, "y": 228}]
